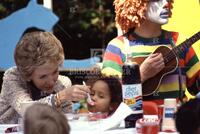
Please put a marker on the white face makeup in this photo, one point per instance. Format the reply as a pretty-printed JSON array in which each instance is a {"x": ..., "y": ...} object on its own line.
[{"x": 159, "y": 11}]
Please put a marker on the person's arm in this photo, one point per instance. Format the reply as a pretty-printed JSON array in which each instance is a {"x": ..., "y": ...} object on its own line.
[
  {"x": 14, "y": 90},
  {"x": 192, "y": 68},
  {"x": 67, "y": 94},
  {"x": 113, "y": 58},
  {"x": 73, "y": 93}
]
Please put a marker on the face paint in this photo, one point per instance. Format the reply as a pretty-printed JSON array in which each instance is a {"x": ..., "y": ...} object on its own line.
[{"x": 159, "y": 11}]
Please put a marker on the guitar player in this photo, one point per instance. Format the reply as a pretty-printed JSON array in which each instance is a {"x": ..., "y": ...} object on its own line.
[{"x": 164, "y": 67}]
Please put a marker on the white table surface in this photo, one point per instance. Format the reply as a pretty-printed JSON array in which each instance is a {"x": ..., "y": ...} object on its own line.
[
  {"x": 3, "y": 127},
  {"x": 114, "y": 131}
]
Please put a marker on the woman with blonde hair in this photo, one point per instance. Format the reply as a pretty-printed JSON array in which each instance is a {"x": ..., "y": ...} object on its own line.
[{"x": 38, "y": 57}]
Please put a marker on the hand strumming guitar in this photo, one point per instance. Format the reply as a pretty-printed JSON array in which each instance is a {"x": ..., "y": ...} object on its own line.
[{"x": 151, "y": 66}]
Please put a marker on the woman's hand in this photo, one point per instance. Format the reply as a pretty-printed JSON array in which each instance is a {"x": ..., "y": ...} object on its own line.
[
  {"x": 74, "y": 93},
  {"x": 151, "y": 66}
]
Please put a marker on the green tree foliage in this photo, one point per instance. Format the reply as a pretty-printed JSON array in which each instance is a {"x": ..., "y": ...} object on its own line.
[
  {"x": 9, "y": 6},
  {"x": 89, "y": 23}
]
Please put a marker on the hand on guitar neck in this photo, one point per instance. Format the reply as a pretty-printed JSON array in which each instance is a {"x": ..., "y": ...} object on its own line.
[{"x": 151, "y": 66}]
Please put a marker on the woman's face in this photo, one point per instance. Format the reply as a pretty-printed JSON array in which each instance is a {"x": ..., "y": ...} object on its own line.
[
  {"x": 100, "y": 94},
  {"x": 159, "y": 11},
  {"x": 45, "y": 76}
]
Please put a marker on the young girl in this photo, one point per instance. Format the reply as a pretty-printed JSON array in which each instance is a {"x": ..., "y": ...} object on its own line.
[{"x": 106, "y": 93}]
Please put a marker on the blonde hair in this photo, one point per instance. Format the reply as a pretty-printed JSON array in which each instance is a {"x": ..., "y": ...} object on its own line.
[
  {"x": 130, "y": 13},
  {"x": 43, "y": 119},
  {"x": 35, "y": 49}
]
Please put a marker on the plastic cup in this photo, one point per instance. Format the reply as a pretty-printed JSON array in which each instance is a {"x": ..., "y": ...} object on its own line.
[
  {"x": 149, "y": 124},
  {"x": 150, "y": 128}
]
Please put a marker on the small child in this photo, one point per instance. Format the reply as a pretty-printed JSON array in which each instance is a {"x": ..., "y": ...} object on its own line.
[
  {"x": 106, "y": 93},
  {"x": 43, "y": 119}
]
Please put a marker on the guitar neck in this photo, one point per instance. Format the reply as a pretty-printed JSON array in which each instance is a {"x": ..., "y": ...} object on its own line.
[
  {"x": 186, "y": 44},
  {"x": 176, "y": 51}
]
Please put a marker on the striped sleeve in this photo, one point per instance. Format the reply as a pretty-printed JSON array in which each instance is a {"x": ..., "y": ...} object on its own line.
[
  {"x": 192, "y": 67},
  {"x": 113, "y": 58}
]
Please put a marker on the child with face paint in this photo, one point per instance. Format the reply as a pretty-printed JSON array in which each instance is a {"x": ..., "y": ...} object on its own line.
[{"x": 140, "y": 22}]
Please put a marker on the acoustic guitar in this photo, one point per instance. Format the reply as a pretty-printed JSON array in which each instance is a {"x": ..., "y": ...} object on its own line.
[{"x": 171, "y": 63}]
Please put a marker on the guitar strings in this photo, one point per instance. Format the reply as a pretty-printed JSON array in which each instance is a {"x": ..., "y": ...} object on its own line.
[{"x": 178, "y": 49}]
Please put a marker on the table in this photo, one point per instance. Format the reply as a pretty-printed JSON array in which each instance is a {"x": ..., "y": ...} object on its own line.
[
  {"x": 114, "y": 131},
  {"x": 3, "y": 127}
]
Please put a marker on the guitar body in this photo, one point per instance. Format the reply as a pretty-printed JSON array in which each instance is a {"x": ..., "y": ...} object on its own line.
[{"x": 152, "y": 84}]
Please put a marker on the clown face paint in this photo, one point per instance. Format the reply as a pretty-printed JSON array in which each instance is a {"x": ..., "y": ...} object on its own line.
[{"x": 159, "y": 11}]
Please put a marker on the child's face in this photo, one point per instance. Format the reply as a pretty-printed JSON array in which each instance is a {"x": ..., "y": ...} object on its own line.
[{"x": 101, "y": 96}]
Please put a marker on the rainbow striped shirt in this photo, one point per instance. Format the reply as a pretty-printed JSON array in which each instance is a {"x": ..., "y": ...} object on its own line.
[{"x": 116, "y": 54}]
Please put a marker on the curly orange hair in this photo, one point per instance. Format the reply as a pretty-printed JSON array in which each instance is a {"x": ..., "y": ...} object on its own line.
[{"x": 130, "y": 13}]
